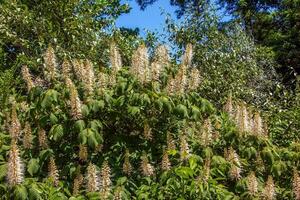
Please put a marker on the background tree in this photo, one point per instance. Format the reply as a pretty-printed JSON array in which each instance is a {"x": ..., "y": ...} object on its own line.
[
  {"x": 274, "y": 24},
  {"x": 28, "y": 27},
  {"x": 76, "y": 28},
  {"x": 227, "y": 57},
  {"x": 182, "y": 5},
  {"x": 271, "y": 23}
]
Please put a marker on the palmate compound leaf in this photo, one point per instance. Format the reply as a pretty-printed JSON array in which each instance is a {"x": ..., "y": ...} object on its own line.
[
  {"x": 96, "y": 105},
  {"x": 181, "y": 111},
  {"x": 79, "y": 125},
  {"x": 3, "y": 171},
  {"x": 133, "y": 110},
  {"x": 184, "y": 172},
  {"x": 56, "y": 132},
  {"x": 20, "y": 192},
  {"x": 91, "y": 137},
  {"x": 85, "y": 110},
  {"x": 196, "y": 113},
  {"x": 50, "y": 97},
  {"x": 163, "y": 103},
  {"x": 33, "y": 166}
]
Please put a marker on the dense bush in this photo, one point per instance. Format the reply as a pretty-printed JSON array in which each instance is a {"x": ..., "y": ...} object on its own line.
[{"x": 136, "y": 133}]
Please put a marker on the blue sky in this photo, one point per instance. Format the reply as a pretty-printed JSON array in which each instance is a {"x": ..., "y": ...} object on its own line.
[{"x": 149, "y": 19}]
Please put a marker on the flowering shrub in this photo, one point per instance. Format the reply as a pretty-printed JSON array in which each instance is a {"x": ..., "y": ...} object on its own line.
[{"x": 138, "y": 133}]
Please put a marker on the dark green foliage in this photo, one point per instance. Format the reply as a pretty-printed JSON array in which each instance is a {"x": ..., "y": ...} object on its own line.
[
  {"x": 113, "y": 120},
  {"x": 274, "y": 24}
]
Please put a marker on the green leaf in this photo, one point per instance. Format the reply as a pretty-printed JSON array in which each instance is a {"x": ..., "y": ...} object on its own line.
[
  {"x": 95, "y": 125},
  {"x": 96, "y": 106},
  {"x": 53, "y": 119},
  {"x": 45, "y": 154},
  {"x": 145, "y": 99},
  {"x": 184, "y": 172},
  {"x": 35, "y": 192},
  {"x": 93, "y": 196},
  {"x": 83, "y": 135},
  {"x": 49, "y": 98},
  {"x": 181, "y": 111},
  {"x": 206, "y": 106},
  {"x": 193, "y": 162},
  {"x": 121, "y": 180},
  {"x": 85, "y": 110},
  {"x": 20, "y": 193},
  {"x": 33, "y": 166},
  {"x": 79, "y": 125},
  {"x": 91, "y": 138},
  {"x": 56, "y": 132},
  {"x": 133, "y": 110},
  {"x": 3, "y": 171},
  {"x": 196, "y": 114}
]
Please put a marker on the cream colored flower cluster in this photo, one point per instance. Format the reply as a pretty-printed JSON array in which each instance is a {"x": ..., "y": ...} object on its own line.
[{"x": 247, "y": 121}]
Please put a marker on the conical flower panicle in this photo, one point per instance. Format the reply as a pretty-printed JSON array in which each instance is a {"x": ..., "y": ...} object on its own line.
[
  {"x": 50, "y": 64},
  {"x": 115, "y": 58},
  {"x": 77, "y": 184},
  {"x": 296, "y": 185},
  {"x": 78, "y": 68},
  {"x": 181, "y": 76},
  {"x": 194, "y": 81},
  {"x": 181, "y": 80},
  {"x": 147, "y": 168},
  {"x": 155, "y": 71},
  {"x": 140, "y": 64},
  {"x": 259, "y": 163},
  {"x": 228, "y": 107},
  {"x": 226, "y": 154},
  {"x": 27, "y": 139},
  {"x": 92, "y": 179},
  {"x": 252, "y": 184},
  {"x": 66, "y": 69},
  {"x": 165, "y": 163},
  {"x": 103, "y": 82},
  {"x": 127, "y": 167},
  {"x": 188, "y": 55},
  {"x": 206, "y": 170},
  {"x": 43, "y": 142},
  {"x": 111, "y": 79},
  {"x": 27, "y": 77},
  {"x": 161, "y": 61},
  {"x": 243, "y": 118},
  {"x": 265, "y": 129},
  {"x": 162, "y": 56},
  {"x": 15, "y": 167},
  {"x": 237, "y": 115},
  {"x": 15, "y": 126},
  {"x": 89, "y": 77},
  {"x": 206, "y": 136},
  {"x": 83, "y": 152},
  {"x": 24, "y": 107},
  {"x": 53, "y": 172},
  {"x": 184, "y": 148},
  {"x": 170, "y": 142},
  {"x": 105, "y": 180},
  {"x": 257, "y": 125},
  {"x": 235, "y": 169},
  {"x": 75, "y": 102},
  {"x": 147, "y": 132},
  {"x": 118, "y": 193},
  {"x": 171, "y": 86},
  {"x": 268, "y": 192}
]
